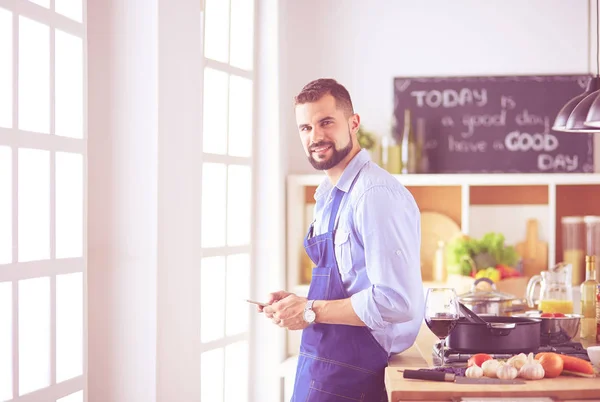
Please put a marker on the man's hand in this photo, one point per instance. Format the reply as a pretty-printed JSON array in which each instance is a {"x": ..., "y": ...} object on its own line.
[
  {"x": 273, "y": 297},
  {"x": 288, "y": 312}
]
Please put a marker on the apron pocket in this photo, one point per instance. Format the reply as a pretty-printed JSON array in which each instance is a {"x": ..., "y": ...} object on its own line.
[{"x": 322, "y": 392}]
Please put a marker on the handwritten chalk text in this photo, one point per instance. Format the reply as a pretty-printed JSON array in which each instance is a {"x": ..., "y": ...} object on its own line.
[
  {"x": 466, "y": 146},
  {"x": 449, "y": 98},
  {"x": 485, "y": 120},
  {"x": 567, "y": 163},
  {"x": 518, "y": 141},
  {"x": 525, "y": 118}
]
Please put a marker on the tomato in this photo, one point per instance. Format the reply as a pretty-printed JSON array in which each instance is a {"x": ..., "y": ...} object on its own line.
[
  {"x": 552, "y": 315},
  {"x": 478, "y": 359}
]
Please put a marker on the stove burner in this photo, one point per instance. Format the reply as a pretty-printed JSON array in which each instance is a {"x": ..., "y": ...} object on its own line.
[{"x": 457, "y": 358}]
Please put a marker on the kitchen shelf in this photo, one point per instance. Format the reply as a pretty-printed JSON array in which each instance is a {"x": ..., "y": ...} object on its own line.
[
  {"x": 454, "y": 195},
  {"x": 459, "y": 196}
]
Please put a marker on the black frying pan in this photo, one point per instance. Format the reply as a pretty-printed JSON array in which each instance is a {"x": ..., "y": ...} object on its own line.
[{"x": 494, "y": 334}]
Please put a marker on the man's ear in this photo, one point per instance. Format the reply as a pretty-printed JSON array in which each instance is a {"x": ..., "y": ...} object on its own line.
[{"x": 354, "y": 123}]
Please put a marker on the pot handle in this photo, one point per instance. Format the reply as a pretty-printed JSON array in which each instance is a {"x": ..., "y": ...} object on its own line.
[
  {"x": 483, "y": 279},
  {"x": 500, "y": 328},
  {"x": 531, "y": 285}
]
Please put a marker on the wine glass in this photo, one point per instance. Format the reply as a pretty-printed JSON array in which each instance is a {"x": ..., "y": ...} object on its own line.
[{"x": 441, "y": 313}]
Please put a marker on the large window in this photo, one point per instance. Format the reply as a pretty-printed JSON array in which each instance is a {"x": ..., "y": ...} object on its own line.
[
  {"x": 227, "y": 198},
  {"x": 42, "y": 200}
]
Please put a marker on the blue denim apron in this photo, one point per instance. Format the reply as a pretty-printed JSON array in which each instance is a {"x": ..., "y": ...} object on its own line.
[{"x": 337, "y": 363}]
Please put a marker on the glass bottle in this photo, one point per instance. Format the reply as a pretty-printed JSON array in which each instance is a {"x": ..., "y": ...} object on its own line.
[
  {"x": 422, "y": 157},
  {"x": 592, "y": 228},
  {"x": 588, "y": 299},
  {"x": 573, "y": 245},
  {"x": 409, "y": 145},
  {"x": 598, "y": 314},
  {"x": 390, "y": 155},
  {"x": 439, "y": 262}
]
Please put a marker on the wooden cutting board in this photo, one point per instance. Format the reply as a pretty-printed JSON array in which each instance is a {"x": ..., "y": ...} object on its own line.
[
  {"x": 563, "y": 388},
  {"x": 400, "y": 389},
  {"x": 533, "y": 251},
  {"x": 435, "y": 227}
]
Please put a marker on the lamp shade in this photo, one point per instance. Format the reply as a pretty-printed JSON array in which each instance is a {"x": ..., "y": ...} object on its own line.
[
  {"x": 593, "y": 116},
  {"x": 574, "y": 113}
]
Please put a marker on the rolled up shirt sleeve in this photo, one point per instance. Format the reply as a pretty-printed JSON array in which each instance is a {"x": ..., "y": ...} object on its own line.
[{"x": 388, "y": 223}]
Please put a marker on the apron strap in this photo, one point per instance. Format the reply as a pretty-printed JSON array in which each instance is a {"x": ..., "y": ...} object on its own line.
[{"x": 337, "y": 200}]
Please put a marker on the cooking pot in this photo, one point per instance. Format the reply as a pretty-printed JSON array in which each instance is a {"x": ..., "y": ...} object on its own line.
[
  {"x": 485, "y": 299},
  {"x": 495, "y": 334}
]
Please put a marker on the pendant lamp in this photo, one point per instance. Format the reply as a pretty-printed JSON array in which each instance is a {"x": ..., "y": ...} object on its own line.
[
  {"x": 593, "y": 116},
  {"x": 574, "y": 115}
]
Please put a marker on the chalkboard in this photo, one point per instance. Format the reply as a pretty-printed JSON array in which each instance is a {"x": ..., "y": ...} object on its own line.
[{"x": 494, "y": 124}]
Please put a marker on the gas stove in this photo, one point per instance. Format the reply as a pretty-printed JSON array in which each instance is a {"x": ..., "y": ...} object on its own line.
[{"x": 456, "y": 358}]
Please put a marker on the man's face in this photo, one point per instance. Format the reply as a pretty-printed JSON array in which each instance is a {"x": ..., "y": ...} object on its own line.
[{"x": 325, "y": 132}]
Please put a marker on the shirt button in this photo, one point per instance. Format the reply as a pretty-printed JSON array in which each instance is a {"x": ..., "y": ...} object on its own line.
[{"x": 398, "y": 252}]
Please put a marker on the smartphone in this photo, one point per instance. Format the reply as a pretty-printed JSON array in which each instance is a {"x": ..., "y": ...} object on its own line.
[{"x": 257, "y": 303}]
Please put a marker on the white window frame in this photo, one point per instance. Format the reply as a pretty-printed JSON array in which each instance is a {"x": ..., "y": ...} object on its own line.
[
  {"x": 16, "y": 139},
  {"x": 234, "y": 160}
]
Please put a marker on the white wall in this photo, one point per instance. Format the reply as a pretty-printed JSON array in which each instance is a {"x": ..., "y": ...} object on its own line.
[
  {"x": 122, "y": 225},
  {"x": 364, "y": 45}
]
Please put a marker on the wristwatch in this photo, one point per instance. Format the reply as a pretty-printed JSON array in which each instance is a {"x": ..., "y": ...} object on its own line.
[{"x": 309, "y": 313}]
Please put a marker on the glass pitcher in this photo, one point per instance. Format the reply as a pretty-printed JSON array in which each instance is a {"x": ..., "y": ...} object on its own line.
[{"x": 556, "y": 293}]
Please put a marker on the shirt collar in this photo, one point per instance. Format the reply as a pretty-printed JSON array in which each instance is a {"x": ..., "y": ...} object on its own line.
[{"x": 347, "y": 177}]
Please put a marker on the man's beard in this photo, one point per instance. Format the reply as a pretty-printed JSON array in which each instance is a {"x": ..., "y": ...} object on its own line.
[{"x": 337, "y": 155}]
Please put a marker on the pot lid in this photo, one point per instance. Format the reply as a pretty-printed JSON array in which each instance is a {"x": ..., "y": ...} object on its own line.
[{"x": 485, "y": 294}]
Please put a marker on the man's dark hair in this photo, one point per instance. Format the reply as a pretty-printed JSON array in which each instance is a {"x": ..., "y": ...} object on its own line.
[{"x": 315, "y": 90}]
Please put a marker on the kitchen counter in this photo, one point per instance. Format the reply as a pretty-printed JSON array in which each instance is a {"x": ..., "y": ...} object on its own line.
[{"x": 563, "y": 388}]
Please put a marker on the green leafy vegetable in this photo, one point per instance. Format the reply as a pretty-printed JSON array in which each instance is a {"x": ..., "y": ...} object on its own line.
[{"x": 464, "y": 254}]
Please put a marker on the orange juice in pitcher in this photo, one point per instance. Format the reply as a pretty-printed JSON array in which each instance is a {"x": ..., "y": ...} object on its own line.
[
  {"x": 556, "y": 293},
  {"x": 556, "y": 306}
]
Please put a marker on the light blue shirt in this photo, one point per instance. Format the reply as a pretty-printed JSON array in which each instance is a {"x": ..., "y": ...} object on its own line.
[{"x": 377, "y": 248}]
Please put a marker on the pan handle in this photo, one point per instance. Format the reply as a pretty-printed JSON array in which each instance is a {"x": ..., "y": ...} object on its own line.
[{"x": 501, "y": 328}]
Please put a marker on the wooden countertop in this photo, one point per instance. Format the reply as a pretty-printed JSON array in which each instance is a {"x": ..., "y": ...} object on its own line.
[{"x": 563, "y": 388}]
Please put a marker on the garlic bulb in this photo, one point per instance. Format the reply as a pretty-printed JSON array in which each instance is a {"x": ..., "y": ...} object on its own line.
[
  {"x": 507, "y": 372},
  {"x": 474, "y": 372},
  {"x": 490, "y": 367},
  {"x": 518, "y": 361},
  {"x": 532, "y": 369}
]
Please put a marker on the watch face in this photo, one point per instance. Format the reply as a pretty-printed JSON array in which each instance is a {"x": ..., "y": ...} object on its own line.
[{"x": 309, "y": 316}]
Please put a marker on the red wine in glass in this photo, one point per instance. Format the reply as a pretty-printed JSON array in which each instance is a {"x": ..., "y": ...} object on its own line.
[
  {"x": 441, "y": 313},
  {"x": 442, "y": 324}
]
